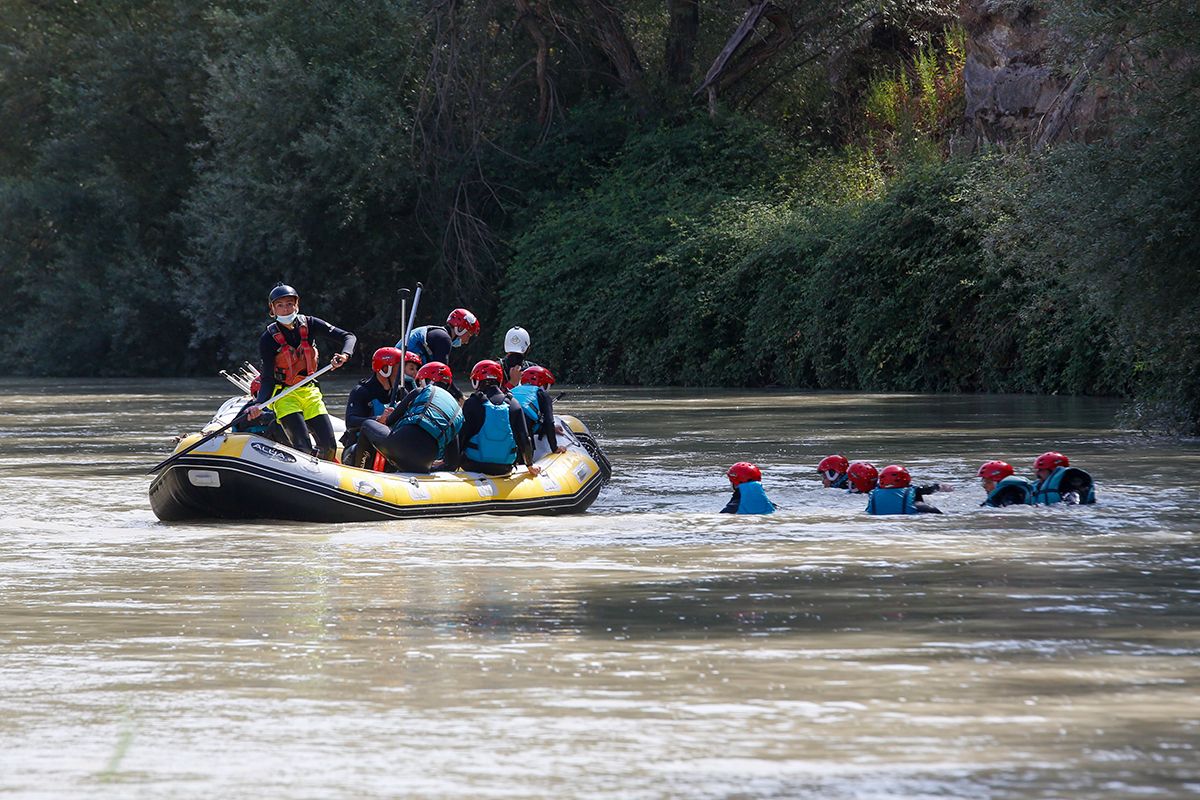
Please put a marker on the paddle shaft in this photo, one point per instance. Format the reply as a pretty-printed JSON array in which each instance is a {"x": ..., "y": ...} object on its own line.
[
  {"x": 398, "y": 379},
  {"x": 268, "y": 402}
]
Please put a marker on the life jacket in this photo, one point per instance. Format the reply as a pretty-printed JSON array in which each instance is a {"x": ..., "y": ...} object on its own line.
[
  {"x": 1013, "y": 487},
  {"x": 892, "y": 501},
  {"x": 293, "y": 364},
  {"x": 752, "y": 499},
  {"x": 495, "y": 443},
  {"x": 436, "y": 412},
  {"x": 377, "y": 407},
  {"x": 526, "y": 394},
  {"x": 416, "y": 343},
  {"x": 840, "y": 482},
  {"x": 1064, "y": 479}
]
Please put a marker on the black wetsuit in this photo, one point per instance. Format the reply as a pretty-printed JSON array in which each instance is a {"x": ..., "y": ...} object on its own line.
[
  {"x": 294, "y": 423},
  {"x": 439, "y": 345},
  {"x": 511, "y": 360},
  {"x": 357, "y": 450},
  {"x": 473, "y": 416},
  {"x": 408, "y": 448},
  {"x": 919, "y": 493}
]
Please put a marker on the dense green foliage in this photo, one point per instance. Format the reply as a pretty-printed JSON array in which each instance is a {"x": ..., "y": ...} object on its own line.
[{"x": 551, "y": 164}]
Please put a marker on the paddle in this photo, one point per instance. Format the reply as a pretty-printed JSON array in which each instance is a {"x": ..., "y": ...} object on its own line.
[
  {"x": 269, "y": 402},
  {"x": 405, "y": 330}
]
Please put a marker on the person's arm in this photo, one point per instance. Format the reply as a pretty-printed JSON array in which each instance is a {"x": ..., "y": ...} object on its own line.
[
  {"x": 921, "y": 491},
  {"x": 451, "y": 456},
  {"x": 516, "y": 418},
  {"x": 358, "y": 406},
  {"x": 732, "y": 506},
  {"x": 472, "y": 422},
  {"x": 266, "y": 354},
  {"x": 546, "y": 410},
  {"x": 347, "y": 340}
]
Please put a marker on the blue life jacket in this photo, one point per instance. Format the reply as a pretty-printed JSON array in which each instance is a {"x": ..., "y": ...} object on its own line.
[
  {"x": 1049, "y": 491},
  {"x": 892, "y": 501},
  {"x": 1019, "y": 489},
  {"x": 495, "y": 443},
  {"x": 416, "y": 343},
  {"x": 526, "y": 395},
  {"x": 752, "y": 499},
  {"x": 436, "y": 412},
  {"x": 377, "y": 407}
]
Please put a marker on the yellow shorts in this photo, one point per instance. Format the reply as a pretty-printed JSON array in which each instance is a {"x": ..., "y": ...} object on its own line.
[{"x": 307, "y": 400}]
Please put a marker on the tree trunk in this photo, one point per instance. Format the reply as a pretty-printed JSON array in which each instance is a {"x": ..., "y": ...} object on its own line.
[
  {"x": 683, "y": 28},
  {"x": 531, "y": 20},
  {"x": 608, "y": 30}
]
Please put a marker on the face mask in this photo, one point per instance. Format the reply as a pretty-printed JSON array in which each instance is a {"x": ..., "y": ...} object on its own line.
[{"x": 288, "y": 319}]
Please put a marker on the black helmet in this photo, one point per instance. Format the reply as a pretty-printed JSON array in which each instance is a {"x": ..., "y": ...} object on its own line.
[{"x": 282, "y": 290}]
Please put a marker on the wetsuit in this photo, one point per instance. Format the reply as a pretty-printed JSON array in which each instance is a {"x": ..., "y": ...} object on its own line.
[
  {"x": 367, "y": 401},
  {"x": 411, "y": 445},
  {"x": 511, "y": 360},
  {"x": 474, "y": 417},
  {"x": 908, "y": 500},
  {"x": 432, "y": 343},
  {"x": 295, "y": 423}
]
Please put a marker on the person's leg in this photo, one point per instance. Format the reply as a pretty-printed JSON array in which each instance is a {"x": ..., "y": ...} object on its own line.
[
  {"x": 407, "y": 447},
  {"x": 297, "y": 431},
  {"x": 322, "y": 430}
]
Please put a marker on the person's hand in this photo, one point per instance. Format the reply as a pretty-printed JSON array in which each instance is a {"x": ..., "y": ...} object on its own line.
[
  {"x": 339, "y": 359},
  {"x": 534, "y": 470},
  {"x": 254, "y": 412},
  {"x": 387, "y": 413},
  {"x": 561, "y": 449},
  {"x": 945, "y": 487}
]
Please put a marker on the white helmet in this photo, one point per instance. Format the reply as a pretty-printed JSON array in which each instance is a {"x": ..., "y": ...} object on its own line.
[{"x": 516, "y": 340}]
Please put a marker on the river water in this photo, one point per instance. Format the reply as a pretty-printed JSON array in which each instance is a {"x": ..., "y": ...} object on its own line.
[{"x": 650, "y": 648}]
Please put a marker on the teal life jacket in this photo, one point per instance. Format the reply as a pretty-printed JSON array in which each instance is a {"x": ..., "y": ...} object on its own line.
[
  {"x": 752, "y": 499},
  {"x": 1062, "y": 480},
  {"x": 1019, "y": 490},
  {"x": 892, "y": 501},
  {"x": 495, "y": 443},
  {"x": 841, "y": 482},
  {"x": 377, "y": 408},
  {"x": 416, "y": 343},
  {"x": 436, "y": 412},
  {"x": 526, "y": 395}
]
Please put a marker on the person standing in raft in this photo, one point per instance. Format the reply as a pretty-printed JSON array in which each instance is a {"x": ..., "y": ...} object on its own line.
[
  {"x": 494, "y": 432},
  {"x": 538, "y": 406},
  {"x": 288, "y": 356},
  {"x": 862, "y": 477},
  {"x": 749, "y": 497},
  {"x": 1003, "y": 487},
  {"x": 427, "y": 424},
  {"x": 370, "y": 399},
  {"x": 435, "y": 342},
  {"x": 516, "y": 345},
  {"x": 833, "y": 472},
  {"x": 1059, "y": 482},
  {"x": 897, "y": 495}
]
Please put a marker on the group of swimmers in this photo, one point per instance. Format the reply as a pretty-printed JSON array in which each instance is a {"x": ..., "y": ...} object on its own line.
[
  {"x": 407, "y": 416},
  {"x": 890, "y": 490}
]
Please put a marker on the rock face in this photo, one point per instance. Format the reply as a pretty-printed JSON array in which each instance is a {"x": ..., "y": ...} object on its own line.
[{"x": 1012, "y": 92}]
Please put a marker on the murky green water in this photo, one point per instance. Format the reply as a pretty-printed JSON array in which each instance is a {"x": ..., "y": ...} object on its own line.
[{"x": 648, "y": 649}]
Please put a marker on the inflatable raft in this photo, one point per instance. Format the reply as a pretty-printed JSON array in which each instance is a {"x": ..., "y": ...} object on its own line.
[{"x": 245, "y": 476}]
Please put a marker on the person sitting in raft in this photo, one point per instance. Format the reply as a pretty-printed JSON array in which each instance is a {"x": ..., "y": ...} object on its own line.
[
  {"x": 288, "y": 357},
  {"x": 264, "y": 425},
  {"x": 862, "y": 477},
  {"x": 1003, "y": 487},
  {"x": 372, "y": 398},
  {"x": 749, "y": 497},
  {"x": 1059, "y": 482},
  {"x": 897, "y": 495},
  {"x": 412, "y": 363},
  {"x": 494, "y": 430},
  {"x": 516, "y": 345},
  {"x": 427, "y": 424},
  {"x": 538, "y": 406},
  {"x": 434, "y": 342},
  {"x": 833, "y": 472}
]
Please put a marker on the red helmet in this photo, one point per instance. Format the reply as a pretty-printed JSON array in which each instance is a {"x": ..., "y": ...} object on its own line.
[
  {"x": 385, "y": 358},
  {"x": 894, "y": 476},
  {"x": 1051, "y": 460},
  {"x": 411, "y": 358},
  {"x": 995, "y": 471},
  {"x": 255, "y": 385},
  {"x": 837, "y": 464},
  {"x": 435, "y": 372},
  {"x": 463, "y": 319},
  {"x": 743, "y": 471},
  {"x": 863, "y": 475},
  {"x": 539, "y": 376},
  {"x": 487, "y": 370}
]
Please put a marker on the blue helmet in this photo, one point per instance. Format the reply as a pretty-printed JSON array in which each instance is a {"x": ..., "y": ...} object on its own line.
[{"x": 282, "y": 290}]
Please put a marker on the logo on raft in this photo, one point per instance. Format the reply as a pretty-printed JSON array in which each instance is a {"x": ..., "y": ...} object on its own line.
[{"x": 273, "y": 453}]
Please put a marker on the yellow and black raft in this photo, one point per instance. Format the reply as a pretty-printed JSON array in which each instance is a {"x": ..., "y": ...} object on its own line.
[{"x": 244, "y": 476}]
